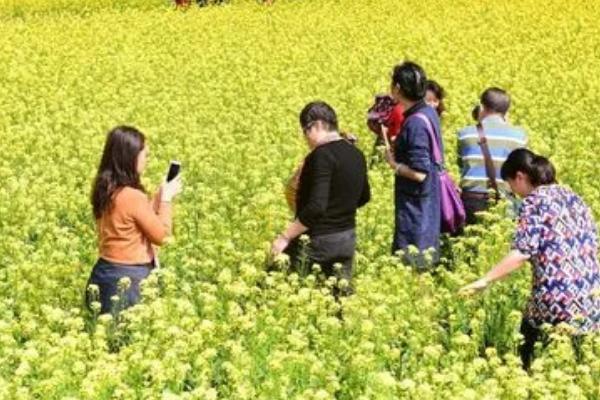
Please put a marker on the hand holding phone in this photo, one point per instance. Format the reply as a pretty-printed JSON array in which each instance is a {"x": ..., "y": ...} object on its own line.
[{"x": 172, "y": 186}]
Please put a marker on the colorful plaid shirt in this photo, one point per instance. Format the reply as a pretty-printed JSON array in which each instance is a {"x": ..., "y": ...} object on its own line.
[{"x": 557, "y": 230}]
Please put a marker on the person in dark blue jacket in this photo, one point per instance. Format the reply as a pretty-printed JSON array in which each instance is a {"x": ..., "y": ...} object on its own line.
[{"x": 417, "y": 184}]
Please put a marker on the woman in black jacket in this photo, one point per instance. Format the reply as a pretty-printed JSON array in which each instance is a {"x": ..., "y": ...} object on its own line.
[{"x": 333, "y": 185}]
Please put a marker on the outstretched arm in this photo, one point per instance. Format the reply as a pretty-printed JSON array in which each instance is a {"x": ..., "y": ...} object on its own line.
[{"x": 513, "y": 261}]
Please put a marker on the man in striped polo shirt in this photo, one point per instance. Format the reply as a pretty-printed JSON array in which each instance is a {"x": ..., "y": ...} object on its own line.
[{"x": 501, "y": 138}]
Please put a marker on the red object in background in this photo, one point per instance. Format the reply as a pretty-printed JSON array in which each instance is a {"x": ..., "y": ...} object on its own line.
[
  {"x": 395, "y": 121},
  {"x": 183, "y": 3},
  {"x": 385, "y": 112}
]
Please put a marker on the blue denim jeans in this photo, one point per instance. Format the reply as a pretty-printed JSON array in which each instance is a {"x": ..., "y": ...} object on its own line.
[{"x": 106, "y": 276}]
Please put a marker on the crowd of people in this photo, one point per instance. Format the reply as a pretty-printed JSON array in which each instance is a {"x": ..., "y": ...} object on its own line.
[{"x": 555, "y": 230}]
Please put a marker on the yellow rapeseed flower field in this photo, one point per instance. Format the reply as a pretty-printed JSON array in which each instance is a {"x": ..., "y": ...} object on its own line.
[{"x": 219, "y": 89}]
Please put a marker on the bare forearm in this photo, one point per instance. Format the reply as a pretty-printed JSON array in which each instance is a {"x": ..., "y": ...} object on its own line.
[
  {"x": 409, "y": 173},
  {"x": 513, "y": 261},
  {"x": 294, "y": 230},
  {"x": 510, "y": 263}
]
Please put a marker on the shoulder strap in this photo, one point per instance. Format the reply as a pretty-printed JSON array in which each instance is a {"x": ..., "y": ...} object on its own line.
[
  {"x": 437, "y": 154},
  {"x": 490, "y": 170}
]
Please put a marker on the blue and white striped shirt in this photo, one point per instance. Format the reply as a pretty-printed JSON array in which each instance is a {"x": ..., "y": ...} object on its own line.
[{"x": 502, "y": 139}]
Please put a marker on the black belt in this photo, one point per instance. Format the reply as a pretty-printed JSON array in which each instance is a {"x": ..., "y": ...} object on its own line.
[
  {"x": 146, "y": 265},
  {"x": 475, "y": 195}
]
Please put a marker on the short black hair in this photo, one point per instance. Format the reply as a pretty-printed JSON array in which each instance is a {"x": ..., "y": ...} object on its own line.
[
  {"x": 318, "y": 111},
  {"x": 496, "y": 100},
  {"x": 411, "y": 79},
  {"x": 538, "y": 168}
]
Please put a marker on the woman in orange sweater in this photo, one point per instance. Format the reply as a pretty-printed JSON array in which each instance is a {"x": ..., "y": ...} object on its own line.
[{"x": 129, "y": 224}]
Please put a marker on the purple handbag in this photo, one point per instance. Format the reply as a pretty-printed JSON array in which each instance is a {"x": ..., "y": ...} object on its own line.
[{"x": 453, "y": 210}]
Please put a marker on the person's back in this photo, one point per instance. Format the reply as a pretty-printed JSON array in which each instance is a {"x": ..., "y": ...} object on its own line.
[
  {"x": 556, "y": 233},
  {"x": 344, "y": 166},
  {"x": 332, "y": 185},
  {"x": 128, "y": 224},
  {"x": 565, "y": 260},
  {"x": 127, "y": 230},
  {"x": 501, "y": 138}
]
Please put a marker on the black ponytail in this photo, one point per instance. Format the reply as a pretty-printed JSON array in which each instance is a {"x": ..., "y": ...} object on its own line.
[
  {"x": 411, "y": 79},
  {"x": 538, "y": 168}
]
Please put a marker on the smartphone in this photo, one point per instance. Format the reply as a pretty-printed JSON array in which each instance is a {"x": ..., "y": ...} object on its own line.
[{"x": 174, "y": 169}]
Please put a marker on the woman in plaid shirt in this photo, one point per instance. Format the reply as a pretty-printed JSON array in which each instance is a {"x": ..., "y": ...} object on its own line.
[{"x": 556, "y": 232}]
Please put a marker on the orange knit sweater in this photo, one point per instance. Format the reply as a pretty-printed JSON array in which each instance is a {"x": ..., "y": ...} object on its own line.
[{"x": 129, "y": 228}]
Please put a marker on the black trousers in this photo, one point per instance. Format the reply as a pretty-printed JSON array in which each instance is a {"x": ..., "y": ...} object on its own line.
[
  {"x": 327, "y": 251},
  {"x": 474, "y": 205},
  {"x": 532, "y": 335}
]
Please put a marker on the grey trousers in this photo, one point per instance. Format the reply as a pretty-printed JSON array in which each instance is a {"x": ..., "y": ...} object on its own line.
[{"x": 327, "y": 251}]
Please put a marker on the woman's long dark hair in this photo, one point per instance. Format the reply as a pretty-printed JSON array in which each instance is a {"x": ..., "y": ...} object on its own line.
[
  {"x": 118, "y": 167},
  {"x": 539, "y": 169}
]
